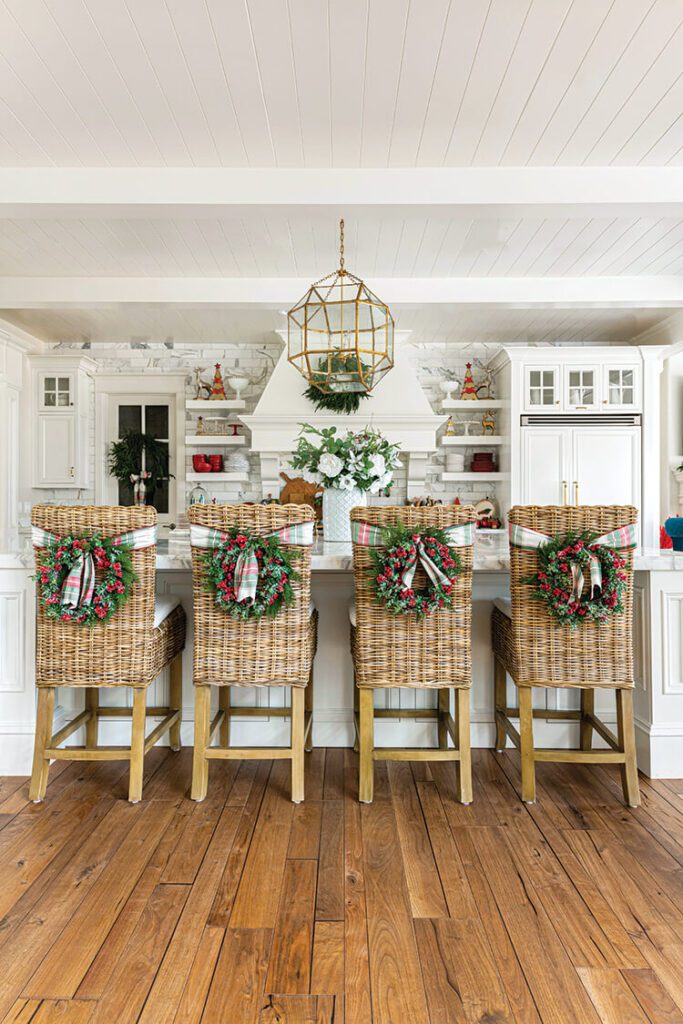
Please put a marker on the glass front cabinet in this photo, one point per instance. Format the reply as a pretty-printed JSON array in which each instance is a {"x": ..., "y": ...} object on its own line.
[
  {"x": 541, "y": 391},
  {"x": 581, "y": 387}
]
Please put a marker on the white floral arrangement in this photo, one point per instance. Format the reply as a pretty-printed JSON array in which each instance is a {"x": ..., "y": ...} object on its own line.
[{"x": 362, "y": 460}]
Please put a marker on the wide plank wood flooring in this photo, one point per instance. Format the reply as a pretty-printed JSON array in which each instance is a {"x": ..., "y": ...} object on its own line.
[{"x": 246, "y": 909}]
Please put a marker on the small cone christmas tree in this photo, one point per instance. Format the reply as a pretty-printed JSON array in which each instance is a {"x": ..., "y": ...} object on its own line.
[
  {"x": 217, "y": 389},
  {"x": 468, "y": 388}
]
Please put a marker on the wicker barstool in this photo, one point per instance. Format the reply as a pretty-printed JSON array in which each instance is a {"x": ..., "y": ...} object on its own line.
[
  {"x": 401, "y": 651},
  {"x": 130, "y": 650},
  {"x": 275, "y": 651},
  {"x": 536, "y": 651}
]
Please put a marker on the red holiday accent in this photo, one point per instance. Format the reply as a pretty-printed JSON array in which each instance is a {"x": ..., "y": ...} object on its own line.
[
  {"x": 217, "y": 389},
  {"x": 468, "y": 389}
]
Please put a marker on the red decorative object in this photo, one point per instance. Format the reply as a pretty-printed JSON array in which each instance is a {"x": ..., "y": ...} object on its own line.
[
  {"x": 217, "y": 389},
  {"x": 200, "y": 464},
  {"x": 216, "y": 462},
  {"x": 483, "y": 462},
  {"x": 665, "y": 541},
  {"x": 468, "y": 389}
]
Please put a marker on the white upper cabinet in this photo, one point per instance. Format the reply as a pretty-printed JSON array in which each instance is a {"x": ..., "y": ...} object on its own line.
[
  {"x": 621, "y": 387},
  {"x": 578, "y": 386},
  {"x": 581, "y": 388},
  {"x": 541, "y": 388},
  {"x": 62, "y": 422}
]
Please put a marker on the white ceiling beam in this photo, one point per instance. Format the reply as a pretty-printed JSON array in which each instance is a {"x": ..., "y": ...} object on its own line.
[
  {"x": 214, "y": 192},
  {"x": 281, "y": 293}
]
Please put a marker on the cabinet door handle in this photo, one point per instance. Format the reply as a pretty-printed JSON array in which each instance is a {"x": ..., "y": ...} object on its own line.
[
  {"x": 564, "y": 492},
  {"x": 576, "y": 492},
  {"x": 72, "y": 472}
]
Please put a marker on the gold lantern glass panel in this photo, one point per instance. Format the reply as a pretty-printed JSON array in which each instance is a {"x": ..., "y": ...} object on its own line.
[{"x": 341, "y": 335}]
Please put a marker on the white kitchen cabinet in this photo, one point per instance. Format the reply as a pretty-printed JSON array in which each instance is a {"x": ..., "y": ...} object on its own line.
[
  {"x": 541, "y": 388},
  {"x": 581, "y": 388},
  {"x": 545, "y": 456},
  {"x": 56, "y": 450},
  {"x": 605, "y": 466},
  {"x": 62, "y": 421},
  {"x": 621, "y": 388},
  {"x": 568, "y": 465}
]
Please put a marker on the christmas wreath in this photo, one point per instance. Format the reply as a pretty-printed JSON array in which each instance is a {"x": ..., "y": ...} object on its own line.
[
  {"x": 249, "y": 576},
  {"x": 563, "y": 563},
  {"x": 395, "y": 565},
  {"x": 84, "y": 579}
]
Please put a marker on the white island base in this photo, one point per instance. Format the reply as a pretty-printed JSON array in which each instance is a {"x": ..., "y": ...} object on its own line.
[{"x": 658, "y": 637}]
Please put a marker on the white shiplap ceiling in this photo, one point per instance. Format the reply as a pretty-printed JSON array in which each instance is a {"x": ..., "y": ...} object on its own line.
[
  {"x": 436, "y": 324},
  {"x": 374, "y": 83},
  {"x": 376, "y": 246},
  {"x": 113, "y": 114}
]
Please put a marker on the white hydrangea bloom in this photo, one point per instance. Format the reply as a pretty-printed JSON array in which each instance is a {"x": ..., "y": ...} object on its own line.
[{"x": 330, "y": 465}]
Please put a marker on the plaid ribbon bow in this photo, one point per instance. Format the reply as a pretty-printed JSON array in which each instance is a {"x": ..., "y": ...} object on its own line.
[
  {"x": 622, "y": 539},
  {"x": 460, "y": 536},
  {"x": 79, "y": 586},
  {"x": 246, "y": 566}
]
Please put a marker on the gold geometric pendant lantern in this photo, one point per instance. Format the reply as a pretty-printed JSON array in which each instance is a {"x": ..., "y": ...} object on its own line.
[{"x": 340, "y": 336}]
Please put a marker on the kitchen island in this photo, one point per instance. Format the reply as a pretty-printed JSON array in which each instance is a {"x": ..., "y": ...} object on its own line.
[{"x": 658, "y": 639}]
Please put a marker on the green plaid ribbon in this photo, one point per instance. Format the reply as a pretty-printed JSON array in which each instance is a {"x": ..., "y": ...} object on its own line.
[
  {"x": 461, "y": 536},
  {"x": 623, "y": 538},
  {"x": 246, "y": 566}
]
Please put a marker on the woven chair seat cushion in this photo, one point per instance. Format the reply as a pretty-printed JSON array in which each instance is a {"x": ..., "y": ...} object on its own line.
[
  {"x": 163, "y": 606},
  {"x": 168, "y": 640},
  {"x": 352, "y": 613}
]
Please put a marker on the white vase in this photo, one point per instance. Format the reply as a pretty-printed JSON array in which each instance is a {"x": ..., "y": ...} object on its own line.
[{"x": 337, "y": 505}]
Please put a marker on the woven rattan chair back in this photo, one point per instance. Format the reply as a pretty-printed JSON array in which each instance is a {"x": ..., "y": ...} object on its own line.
[
  {"x": 118, "y": 653},
  {"x": 252, "y": 652},
  {"x": 545, "y": 653},
  {"x": 400, "y": 650}
]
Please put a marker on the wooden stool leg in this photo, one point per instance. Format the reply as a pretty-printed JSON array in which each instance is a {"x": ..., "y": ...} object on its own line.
[
  {"x": 92, "y": 702},
  {"x": 464, "y": 746},
  {"x": 298, "y": 698},
  {"x": 500, "y": 701},
  {"x": 367, "y": 743},
  {"x": 587, "y": 708},
  {"x": 356, "y": 713},
  {"x": 224, "y": 705},
  {"x": 444, "y": 706},
  {"x": 137, "y": 746},
  {"x": 308, "y": 706},
  {"x": 526, "y": 734},
  {"x": 627, "y": 742},
  {"x": 41, "y": 764},
  {"x": 175, "y": 695},
  {"x": 200, "y": 764}
]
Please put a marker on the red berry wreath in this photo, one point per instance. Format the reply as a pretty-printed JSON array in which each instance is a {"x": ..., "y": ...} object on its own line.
[
  {"x": 393, "y": 578},
  {"x": 561, "y": 564},
  {"x": 274, "y": 575},
  {"x": 114, "y": 577}
]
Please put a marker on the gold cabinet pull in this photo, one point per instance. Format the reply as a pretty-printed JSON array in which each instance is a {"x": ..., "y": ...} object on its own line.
[
  {"x": 564, "y": 492},
  {"x": 576, "y": 492}
]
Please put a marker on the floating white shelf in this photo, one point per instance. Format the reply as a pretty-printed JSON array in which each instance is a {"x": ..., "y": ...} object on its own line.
[
  {"x": 462, "y": 477},
  {"x": 213, "y": 440},
  {"x": 460, "y": 440},
  {"x": 217, "y": 478},
  {"x": 474, "y": 405},
  {"x": 199, "y": 404}
]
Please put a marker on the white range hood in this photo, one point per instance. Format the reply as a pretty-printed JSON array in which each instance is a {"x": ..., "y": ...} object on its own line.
[{"x": 398, "y": 408}]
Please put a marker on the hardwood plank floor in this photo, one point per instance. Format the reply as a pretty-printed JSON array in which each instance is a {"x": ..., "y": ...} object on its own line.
[{"x": 412, "y": 910}]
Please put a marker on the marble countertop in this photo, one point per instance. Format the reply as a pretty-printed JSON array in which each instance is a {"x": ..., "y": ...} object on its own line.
[{"x": 490, "y": 555}]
